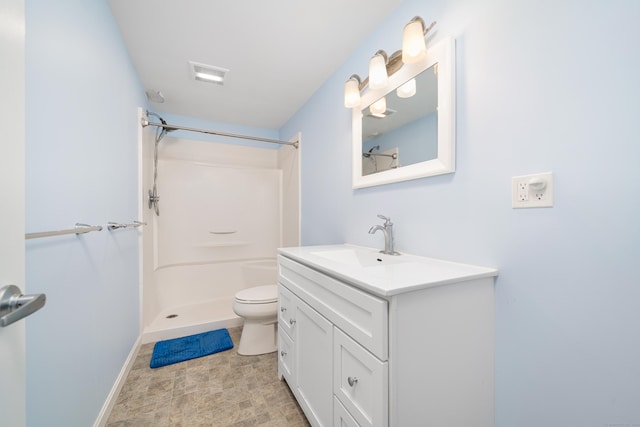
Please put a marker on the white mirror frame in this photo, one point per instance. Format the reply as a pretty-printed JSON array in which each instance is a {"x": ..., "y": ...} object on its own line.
[{"x": 443, "y": 54}]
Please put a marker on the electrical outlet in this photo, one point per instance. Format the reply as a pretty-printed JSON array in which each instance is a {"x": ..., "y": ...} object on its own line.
[
  {"x": 523, "y": 191},
  {"x": 532, "y": 191}
]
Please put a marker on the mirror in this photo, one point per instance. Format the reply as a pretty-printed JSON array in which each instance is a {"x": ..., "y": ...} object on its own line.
[
  {"x": 390, "y": 140},
  {"x": 415, "y": 137}
]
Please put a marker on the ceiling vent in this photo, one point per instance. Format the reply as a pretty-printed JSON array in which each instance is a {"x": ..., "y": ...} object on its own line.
[
  {"x": 386, "y": 113},
  {"x": 208, "y": 73}
]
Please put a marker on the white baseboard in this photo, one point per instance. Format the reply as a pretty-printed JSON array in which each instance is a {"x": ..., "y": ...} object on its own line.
[{"x": 103, "y": 416}]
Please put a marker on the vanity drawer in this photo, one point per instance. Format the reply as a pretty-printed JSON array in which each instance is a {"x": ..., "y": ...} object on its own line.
[
  {"x": 286, "y": 310},
  {"x": 286, "y": 356},
  {"x": 360, "y": 382},
  {"x": 362, "y": 316},
  {"x": 341, "y": 417}
]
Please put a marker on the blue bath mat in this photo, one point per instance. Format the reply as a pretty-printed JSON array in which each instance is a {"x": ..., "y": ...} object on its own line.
[{"x": 187, "y": 348}]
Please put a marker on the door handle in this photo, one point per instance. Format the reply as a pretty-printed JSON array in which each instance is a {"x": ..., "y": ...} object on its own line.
[{"x": 14, "y": 305}]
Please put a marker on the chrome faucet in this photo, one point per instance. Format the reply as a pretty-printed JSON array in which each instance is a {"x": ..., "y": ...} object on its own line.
[{"x": 387, "y": 230}]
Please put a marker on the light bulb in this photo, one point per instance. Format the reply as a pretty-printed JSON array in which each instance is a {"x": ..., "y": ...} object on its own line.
[
  {"x": 414, "y": 47},
  {"x": 351, "y": 93},
  {"x": 379, "y": 107},
  {"x": 407, "y": 90},
  {"x": 378, "y": 78}
]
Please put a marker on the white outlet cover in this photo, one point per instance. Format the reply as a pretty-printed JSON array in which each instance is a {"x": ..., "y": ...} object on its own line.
[{"x": 532, "y": 191}]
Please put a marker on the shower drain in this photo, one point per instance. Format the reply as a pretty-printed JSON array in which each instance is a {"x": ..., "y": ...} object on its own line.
[{"x": 171, "y": 316}]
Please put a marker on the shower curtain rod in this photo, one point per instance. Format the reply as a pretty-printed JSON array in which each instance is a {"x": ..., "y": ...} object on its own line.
[{"x": 145, "y": 122}]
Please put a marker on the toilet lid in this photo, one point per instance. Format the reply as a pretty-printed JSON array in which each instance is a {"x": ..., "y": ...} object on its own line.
[{"x": 258, "y": 295}]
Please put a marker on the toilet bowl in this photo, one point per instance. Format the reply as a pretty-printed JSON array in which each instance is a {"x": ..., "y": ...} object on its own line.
[{"x": 258, "y": 307}]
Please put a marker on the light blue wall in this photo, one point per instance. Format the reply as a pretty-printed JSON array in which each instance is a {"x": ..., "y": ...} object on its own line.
[
  {"x": 82, "y": 95},
  {"x": 541, "y": 86}
]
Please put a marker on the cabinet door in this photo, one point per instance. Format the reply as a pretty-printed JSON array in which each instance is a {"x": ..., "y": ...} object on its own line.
[
  {"x": 342, "y": 418},
  {"x": 360, "y": 382},
  {"x": 313, "y": 340}
]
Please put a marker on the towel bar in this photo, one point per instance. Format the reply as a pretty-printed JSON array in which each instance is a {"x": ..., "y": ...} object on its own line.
[{"x": 79, "y": 229}]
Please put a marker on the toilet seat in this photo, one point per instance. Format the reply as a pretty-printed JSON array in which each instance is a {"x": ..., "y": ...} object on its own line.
[{"x": 258, "y": 295}]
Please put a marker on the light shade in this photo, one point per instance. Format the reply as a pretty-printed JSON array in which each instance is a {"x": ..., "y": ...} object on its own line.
[
  {"x": 414, "y": 47},
  {"x": 378, "y": 78},
  {"x": 378, "y": 107},
  {"x": 351, "y": 93},
  {"x": 407, "y": 90}
]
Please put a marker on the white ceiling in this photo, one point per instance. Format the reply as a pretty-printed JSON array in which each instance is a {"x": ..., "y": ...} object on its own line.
[{"x": 279, "y": 52}]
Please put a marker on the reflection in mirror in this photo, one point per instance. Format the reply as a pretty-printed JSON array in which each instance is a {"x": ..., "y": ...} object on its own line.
[
  {"x": 375, "y": 160},
  {"x": 416, "y": 139},
  {"x": 389, "y": 138}
]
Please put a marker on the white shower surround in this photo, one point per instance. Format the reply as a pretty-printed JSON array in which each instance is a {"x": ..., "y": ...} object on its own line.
[
  {"x": 202, "y": 296},
  {"x": 220, "y": 223}
]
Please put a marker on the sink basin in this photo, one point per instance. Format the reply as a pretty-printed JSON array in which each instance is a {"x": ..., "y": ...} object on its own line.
[
  {"x": 360, "y": 257},
  {"x": 380, "y": 274}
]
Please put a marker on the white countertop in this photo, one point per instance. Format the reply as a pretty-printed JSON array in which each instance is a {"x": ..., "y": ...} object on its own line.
[{"x": 383, "y": 275}]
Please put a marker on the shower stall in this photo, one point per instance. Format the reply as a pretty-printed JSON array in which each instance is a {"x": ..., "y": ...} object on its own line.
[{"x": 222, "y": 211}]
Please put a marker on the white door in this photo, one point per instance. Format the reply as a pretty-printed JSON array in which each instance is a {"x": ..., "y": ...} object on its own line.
[{"x": 12, "y": 255}]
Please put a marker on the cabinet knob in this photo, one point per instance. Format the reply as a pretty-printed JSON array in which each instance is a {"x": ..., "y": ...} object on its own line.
[
  {"x": 283, "y": 353},
  {"x": 352, "y": 381},
  {"x": 292, "y": 322},
  {"x": 283, "y": 309}
]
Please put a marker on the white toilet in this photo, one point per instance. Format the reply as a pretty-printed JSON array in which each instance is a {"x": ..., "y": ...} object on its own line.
[{"x": 258, "y": 307}]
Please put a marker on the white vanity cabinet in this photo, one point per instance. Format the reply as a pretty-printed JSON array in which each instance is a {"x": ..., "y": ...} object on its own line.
[
  {"x": 355, "y": 353},
  {"x": 318, "y": 359}
]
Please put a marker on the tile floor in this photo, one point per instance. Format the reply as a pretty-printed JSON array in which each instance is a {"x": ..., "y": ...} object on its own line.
[{"x": 224, "y": 389}]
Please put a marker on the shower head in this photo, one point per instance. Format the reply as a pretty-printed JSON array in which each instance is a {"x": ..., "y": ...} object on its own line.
[
  {"x": 375, "y": 147},
  {"x": 165, "y": 128},
  {"x": 154, "y": 96},
  {"x": 157, "y": 116}
]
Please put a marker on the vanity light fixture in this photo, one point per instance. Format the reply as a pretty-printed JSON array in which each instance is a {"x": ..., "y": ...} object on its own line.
[
  {"x": 352, "y": 91},
  {"x": 354, "y": 85},
  {"x": 407, "y": 90},
  {"x": 378, "y": 77},
  {"x": 414, "y": 46},
  {"x": 381, "y": 66}
]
